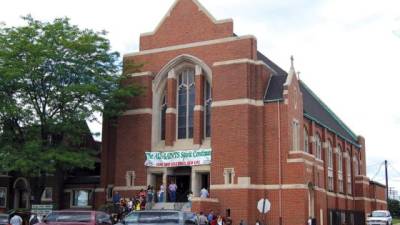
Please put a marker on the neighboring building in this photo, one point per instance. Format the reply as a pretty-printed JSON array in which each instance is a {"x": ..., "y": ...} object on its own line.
[
  {"x": 219, "y": 114},
  {"x": 72, "y": 189}
]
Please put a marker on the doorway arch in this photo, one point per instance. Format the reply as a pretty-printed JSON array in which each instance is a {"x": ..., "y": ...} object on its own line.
[{"x": 22, "y": 193}]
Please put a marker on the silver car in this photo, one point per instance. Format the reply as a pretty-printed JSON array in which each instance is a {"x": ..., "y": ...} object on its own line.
[
  {"x": 163, "y": 217},
  {"x": 4, "y": 219},
  {"x": 380, "y": 217}
]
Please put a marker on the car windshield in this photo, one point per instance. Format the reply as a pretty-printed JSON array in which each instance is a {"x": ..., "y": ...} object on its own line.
[
  {"x": 3, "y": 218},
  {"x": 152, "y": 218},
  {"x": 379, "y": 214},
  {"x": 83, "y": 217}
]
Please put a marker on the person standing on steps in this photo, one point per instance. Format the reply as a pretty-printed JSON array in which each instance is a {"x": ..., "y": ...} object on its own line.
[{"x": 172, "y": 191}]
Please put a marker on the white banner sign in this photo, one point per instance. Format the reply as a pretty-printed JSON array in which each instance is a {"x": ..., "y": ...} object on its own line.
[{"x": 178, "y": 158}]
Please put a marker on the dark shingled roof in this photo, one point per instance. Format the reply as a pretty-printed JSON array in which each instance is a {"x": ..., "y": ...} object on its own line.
[
  {"x": 316, "y": 110},
  {"x": 313, "y": 107},
  {"x": 275, "y": 88}
]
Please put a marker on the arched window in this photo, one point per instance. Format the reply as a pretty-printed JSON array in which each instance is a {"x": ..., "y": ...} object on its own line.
[
  {"x": 306, "y": 146},
  {"x": 186, "y": 102},
  {"x": 163, "y": 114},
  {"x": 356, "y": 166},
  {"x": 207, "y": 109},
  {"x": 318, "y": 147},
  {"x": 348, "y": 173},
  {"x": 330, "y": 167},
  {"x": 340, "y": 169},
  {"x": 295, "y": 136}
]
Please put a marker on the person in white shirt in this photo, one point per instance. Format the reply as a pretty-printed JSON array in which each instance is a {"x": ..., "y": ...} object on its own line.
[
  {"x": 309, "y": 221},
  {"x": 161, "y": 193},
  {"x": 16, "y": 220},
  {"x": 203, "y": 193},
  {"x": 130, "y": 204},
  {"x": 172, "y": 191}
]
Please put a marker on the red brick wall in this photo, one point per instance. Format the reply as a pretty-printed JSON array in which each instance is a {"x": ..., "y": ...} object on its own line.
[
  {"x": 186, "y": 24},
  {"x": 253, "y": 139}
]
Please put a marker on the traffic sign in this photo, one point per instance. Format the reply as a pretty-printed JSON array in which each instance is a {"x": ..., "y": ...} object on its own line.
[{"x": 263, "y": 205}]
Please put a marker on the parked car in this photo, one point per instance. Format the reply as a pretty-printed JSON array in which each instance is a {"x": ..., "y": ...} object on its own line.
[
  {"x": 4, "y": 219},
  {"x": 163, "y": 217},
  {"x": 69, "y": 217},
  {"x": 380, "y": 217}
]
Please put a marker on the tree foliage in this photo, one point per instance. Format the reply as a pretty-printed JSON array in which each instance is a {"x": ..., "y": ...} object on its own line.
[
  {"x": 53, "y": 77},
  {"x": 394, "y": 207}
]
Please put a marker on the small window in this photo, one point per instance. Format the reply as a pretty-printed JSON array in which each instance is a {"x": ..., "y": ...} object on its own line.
[
  {"x": 348, "y": 174},
  {"x": 306, "y": 145},
  {"x": 318, "y": 147},
  {"x": 3, "y": 197},
  {"x": 109, "y": 193},
  {"x": 295, "y": 136},
  {"x": 47, "y": 194},
  {"x": 356, "y": 167},
  {"x": 229, "y": 174},
  {"x": 330, "y": 167},
  {"x": 340, "y": 169},
  {"x": 130, "y": 178},
  {"x": 81, "y": 198}
]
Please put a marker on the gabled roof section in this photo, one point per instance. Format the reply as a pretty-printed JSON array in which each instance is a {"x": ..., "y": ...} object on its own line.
[
  {"x": 315, "y": 109},
  {"x": 201, "y": 8},
  {"x": 187, "y": 21},
  {"x": 274, "y": 90}
]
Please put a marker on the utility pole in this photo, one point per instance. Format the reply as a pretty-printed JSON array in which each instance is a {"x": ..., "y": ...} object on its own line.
[{"x": 387, "y": 183}]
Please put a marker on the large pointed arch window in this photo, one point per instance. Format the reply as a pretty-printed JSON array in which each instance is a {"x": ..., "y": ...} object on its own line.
[{"x": 186, "y": 102}]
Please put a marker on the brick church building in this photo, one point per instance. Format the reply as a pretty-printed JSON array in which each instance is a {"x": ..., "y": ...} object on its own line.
[{"x": 217, "y": 113}]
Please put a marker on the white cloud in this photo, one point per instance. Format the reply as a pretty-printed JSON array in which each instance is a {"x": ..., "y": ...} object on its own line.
[{"x": 347, "y": 51}]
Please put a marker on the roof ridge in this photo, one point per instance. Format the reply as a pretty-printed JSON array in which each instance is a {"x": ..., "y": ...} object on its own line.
[{"x": 340, "y": 122}]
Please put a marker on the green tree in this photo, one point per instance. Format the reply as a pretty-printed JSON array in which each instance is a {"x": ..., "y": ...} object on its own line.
[
  {"x": 394, "y": 207},
  {"x": 53, "y": 76}
]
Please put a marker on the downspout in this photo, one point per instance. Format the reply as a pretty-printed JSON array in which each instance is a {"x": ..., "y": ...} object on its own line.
[{"x": 280, "y": 164}]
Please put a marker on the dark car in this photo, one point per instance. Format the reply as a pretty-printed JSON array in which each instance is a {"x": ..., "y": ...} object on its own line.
[
  {"x": 69, "y": 217},
  {"x": 164, "y": 217},
  {"x": 4, "y": 219}
]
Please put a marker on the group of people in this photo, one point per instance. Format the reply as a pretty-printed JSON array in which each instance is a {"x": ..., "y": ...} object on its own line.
[
  {"x": 213, "y": 219},
  {"x": 143, "y": 197},
  {"x": 139, "y": 202},
  {"x": 33, "y": 219}
]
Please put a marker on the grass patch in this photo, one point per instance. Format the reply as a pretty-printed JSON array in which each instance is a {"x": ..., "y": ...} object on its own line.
[{"x": 396, "y": 221}]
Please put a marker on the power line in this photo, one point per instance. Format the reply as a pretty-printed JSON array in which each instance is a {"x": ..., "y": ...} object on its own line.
[
  {"x": 379, "y": 169},
  {"x": 394, "y": 169},
  {"x": 373, "y": 165}
]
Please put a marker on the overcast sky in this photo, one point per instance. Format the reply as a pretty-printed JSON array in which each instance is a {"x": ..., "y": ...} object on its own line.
[{"x": 347, "y": 51}]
